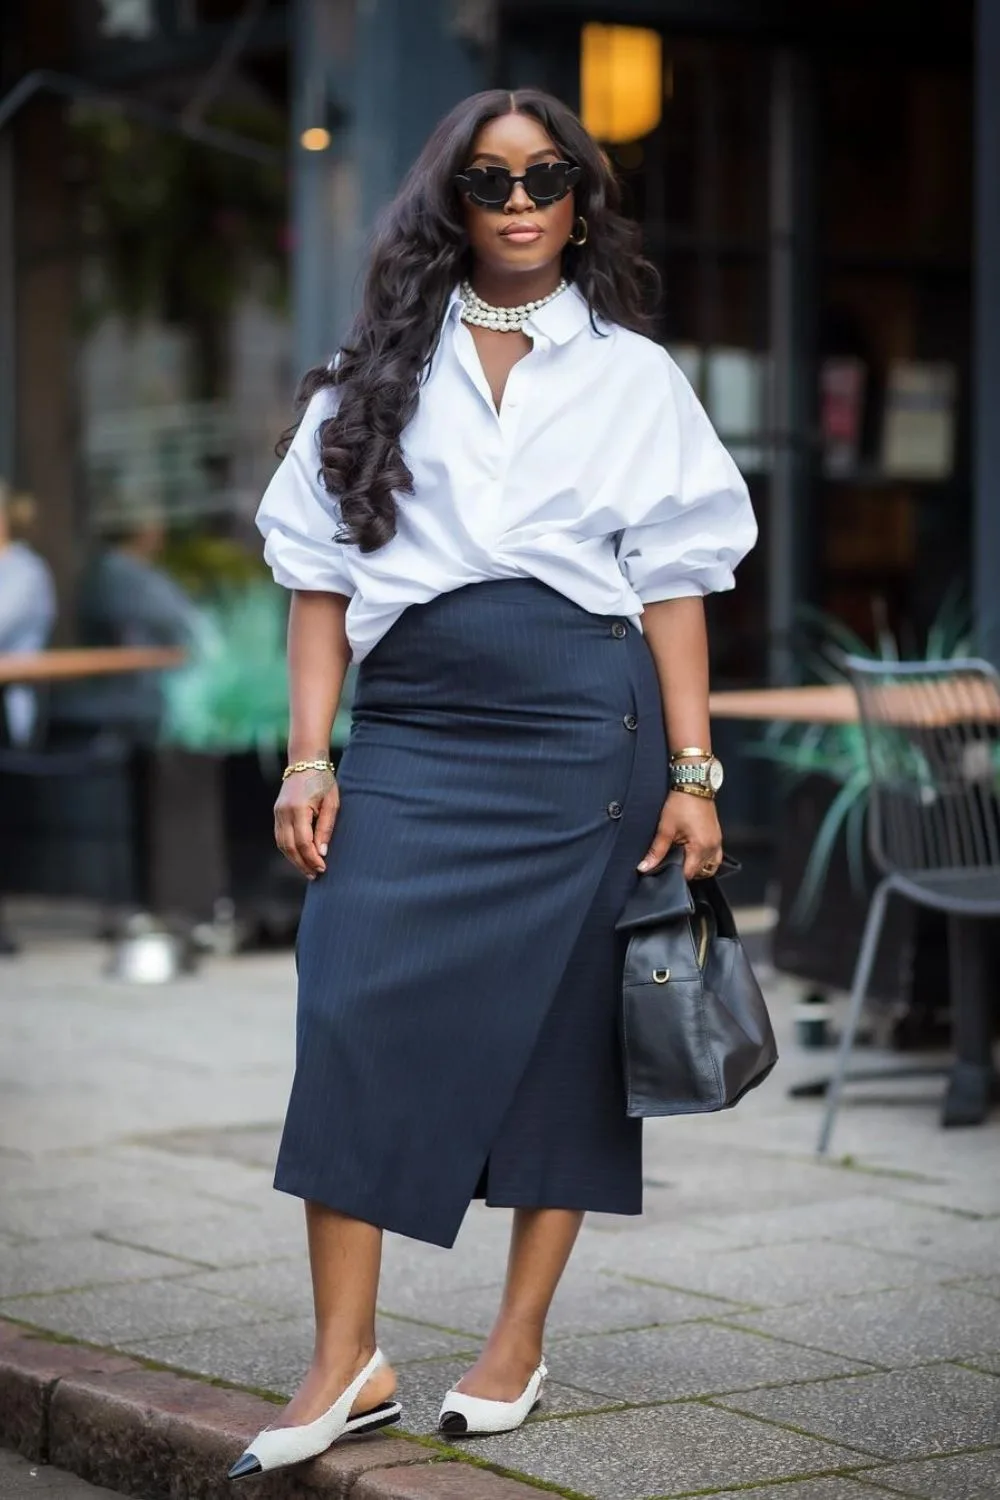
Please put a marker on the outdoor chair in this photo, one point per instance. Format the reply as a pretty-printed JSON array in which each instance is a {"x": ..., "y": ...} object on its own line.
[{"x": 932, "y": 736}]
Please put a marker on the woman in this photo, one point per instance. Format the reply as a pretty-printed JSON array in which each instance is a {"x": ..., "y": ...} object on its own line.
[
  {"x": 27, "y": 610},
  {"x": 506, "y": 504},
  {"x": 27, "y": 615}
]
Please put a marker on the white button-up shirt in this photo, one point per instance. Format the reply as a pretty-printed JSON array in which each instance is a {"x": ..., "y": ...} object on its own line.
[{"x": 600, "y": 476}]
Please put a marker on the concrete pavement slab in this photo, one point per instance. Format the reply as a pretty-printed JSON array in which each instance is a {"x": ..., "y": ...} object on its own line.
[
  {"x": 585, "y": 1303},
  {"x": 691, "y": 1359},
  {"x": 415, "y": 1288},
  {"x": 779, "y": 1275},
  {"x": 275, "y": 1356},
  {"x": 129, "y": 1310},
  {"x": 205, "y": 1149},
  {"x": 185, "y": 1223},
  {"x": 661, "y": 1451},
  {"x": 973, "y": 1476},
  {"x": 24, "y": 1479},
  {"x": 404, "y": 1339},
  {"x": 440, "y": 1481},
  {"x": 970, "y": 1193},
  {"x": 703, "y": 1183},
  {"x": 986, "y": 1286},
  {"x": 213, "y": 1238},
  {"x": 890, "y": 1328},
  {"x": 281, "y": 1286},
  {"x": 81, "y": 1261},
  {"x": 837, "y": 1488},
  {"x": 274, "y": 1362},
  {"x": 643, "y": 1248},
  {"x": 904, "y": 1414},
  {"x": 862, "y": 1219},
  {"x": 970, "y": 1246}
]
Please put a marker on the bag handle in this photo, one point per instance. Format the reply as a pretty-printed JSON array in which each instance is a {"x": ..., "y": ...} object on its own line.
[{"x": 662, "y": 895}]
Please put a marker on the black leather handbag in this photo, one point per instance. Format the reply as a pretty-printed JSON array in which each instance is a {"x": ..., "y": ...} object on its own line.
[{"x": 696, "y": 1035}]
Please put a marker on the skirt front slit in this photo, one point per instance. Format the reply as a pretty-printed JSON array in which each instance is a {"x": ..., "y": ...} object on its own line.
[{"x": 457, "y": 1027}]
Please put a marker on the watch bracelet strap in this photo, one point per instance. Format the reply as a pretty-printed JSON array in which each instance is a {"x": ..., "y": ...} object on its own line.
[
  {"x": 688, "y": 775},
  {"x": 307, "y": 765}
]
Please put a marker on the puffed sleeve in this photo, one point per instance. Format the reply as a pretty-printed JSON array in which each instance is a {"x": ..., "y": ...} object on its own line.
[
  {"x": 298, "y": 517},
  {"x": 694, "y": 519}
]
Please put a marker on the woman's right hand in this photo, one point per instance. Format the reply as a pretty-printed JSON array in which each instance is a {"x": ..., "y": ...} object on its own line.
[{"x": 304, "y": 815}]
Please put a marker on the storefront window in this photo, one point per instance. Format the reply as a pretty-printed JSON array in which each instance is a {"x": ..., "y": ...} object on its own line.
[
  {"x": 894, "y": 319},
  {"x": 184, "y": 350},
  {"x": 698, "y": 183}
]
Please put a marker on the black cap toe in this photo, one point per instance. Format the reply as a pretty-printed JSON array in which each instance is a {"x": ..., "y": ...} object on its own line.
[
  {"x": 453, "y": 1421},
  {"x": 245, "y": 1466}
]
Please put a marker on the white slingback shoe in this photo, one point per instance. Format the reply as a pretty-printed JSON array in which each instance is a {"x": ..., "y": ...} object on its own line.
[
  {"x": 277, "y": 1447},
  {"x": 474, "y": 1416}
]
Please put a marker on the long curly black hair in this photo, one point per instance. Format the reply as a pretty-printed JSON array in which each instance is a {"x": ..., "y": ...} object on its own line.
[{"x": 419, "y": 253}]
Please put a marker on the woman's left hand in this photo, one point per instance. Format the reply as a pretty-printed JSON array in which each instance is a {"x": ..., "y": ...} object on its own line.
[{"x": 693, "y": 822}]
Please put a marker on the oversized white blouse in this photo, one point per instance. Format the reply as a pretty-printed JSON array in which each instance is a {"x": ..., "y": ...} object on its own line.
[{"x": 600, "y": 476}]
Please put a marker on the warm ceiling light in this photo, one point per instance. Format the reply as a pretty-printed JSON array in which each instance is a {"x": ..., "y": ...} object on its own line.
[
  {"x": 316, "y": 138},
  {"x": 621, "y": 81}
]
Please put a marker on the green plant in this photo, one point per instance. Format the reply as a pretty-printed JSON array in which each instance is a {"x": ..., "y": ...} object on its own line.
[
  {"x": 838, "y": 751},
  {"x": 233, "y": 693},
  {"x": 205, "y": 565},
  {"x": 180, "y": 230}
]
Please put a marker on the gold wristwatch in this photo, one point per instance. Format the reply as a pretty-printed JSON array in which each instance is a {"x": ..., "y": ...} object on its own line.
[{"x": 696, "y": 771}]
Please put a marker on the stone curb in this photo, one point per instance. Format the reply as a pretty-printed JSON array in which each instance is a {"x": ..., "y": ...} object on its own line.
[{"x": 163, "y": 1436}]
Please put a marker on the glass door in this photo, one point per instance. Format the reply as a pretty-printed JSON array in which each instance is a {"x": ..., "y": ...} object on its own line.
[{"x": 698, "y": 183}]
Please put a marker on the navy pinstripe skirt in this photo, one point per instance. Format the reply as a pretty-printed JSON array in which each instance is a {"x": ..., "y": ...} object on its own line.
[{"x": 458, "y": 1000}]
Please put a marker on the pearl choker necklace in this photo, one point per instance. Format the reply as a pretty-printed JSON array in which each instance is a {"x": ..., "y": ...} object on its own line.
[{"x": 503, "y": 319}]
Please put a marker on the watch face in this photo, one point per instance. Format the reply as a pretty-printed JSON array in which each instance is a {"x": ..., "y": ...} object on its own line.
[{"x": 716, "y": 775}]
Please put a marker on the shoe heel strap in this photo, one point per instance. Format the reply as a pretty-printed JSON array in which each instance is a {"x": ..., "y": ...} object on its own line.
[{"x": 359, "y": 1382}]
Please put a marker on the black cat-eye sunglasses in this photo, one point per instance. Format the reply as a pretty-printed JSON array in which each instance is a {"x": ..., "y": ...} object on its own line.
[{"x": 545, "y": 182}]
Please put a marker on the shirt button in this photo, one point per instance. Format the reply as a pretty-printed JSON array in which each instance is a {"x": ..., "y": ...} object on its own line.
[
  {"x": 615, "y": 809},
  {"x": 630, "y": 721},
  {"x": 619, "y": 631}
]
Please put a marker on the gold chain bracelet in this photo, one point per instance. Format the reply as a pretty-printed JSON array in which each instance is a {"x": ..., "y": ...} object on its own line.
[{"x": 307, "y": 765}]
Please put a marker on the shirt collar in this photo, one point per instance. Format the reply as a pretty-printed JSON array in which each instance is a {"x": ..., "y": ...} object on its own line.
[{"x": 559, "y": 320}]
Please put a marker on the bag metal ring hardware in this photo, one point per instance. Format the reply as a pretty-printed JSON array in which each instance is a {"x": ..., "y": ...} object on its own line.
[{"x": 660, "y": 976}]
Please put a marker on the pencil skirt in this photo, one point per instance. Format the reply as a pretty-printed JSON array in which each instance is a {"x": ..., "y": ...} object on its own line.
[{"x": 458, "y": 968}]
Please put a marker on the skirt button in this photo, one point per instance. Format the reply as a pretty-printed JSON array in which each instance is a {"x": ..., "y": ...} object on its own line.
[
  {"x": 614, "y": 809},
  {"x": 619, "y": 631},
  {"x": 630, "y": 721}
]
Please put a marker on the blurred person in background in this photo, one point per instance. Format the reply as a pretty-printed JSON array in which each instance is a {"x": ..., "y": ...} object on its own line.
[
  {"x": 127, "y": 598},
  {"x": 27, "y": 615},
  {"x": 505, "y": 502},
  {"x": 27, "y": 608}
]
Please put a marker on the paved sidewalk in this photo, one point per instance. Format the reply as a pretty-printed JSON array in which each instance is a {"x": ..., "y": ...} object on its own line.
[
  {"x": 811, "y": 1331},
  {"x": 21, "y": 1479}
]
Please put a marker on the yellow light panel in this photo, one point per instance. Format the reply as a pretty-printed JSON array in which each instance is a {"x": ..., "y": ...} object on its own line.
[
  {"x": 316, "y": 138},
  {"x": 621, "y": 81}
]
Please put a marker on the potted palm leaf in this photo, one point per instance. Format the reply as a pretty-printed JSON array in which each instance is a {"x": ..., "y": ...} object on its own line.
[
  {"x": 217, "y": 769},
  {"x": 825, "y": 874}
]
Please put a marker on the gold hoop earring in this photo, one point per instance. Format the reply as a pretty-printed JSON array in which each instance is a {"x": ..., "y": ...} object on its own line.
[{"x": 579, "y": 234}]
